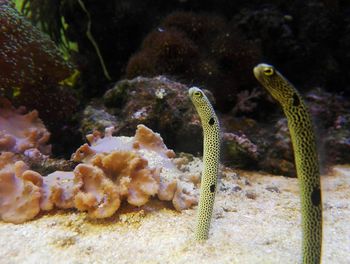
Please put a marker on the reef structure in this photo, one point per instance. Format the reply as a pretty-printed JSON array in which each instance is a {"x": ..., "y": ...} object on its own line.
[
  {"x": 112, "y": 169},
  {"x": 22, "y": 132}
]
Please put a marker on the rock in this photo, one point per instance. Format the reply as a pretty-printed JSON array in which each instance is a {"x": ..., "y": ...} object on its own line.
[{"x": 159, "y": 103}]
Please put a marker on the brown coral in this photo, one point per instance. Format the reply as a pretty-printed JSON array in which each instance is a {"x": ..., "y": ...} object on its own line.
[
  {"x": 31, "y": 68},
  {"x": 135, "y": 179},
  {"x": 28, "y": 56},
  {"x": 98, "y": 195}
]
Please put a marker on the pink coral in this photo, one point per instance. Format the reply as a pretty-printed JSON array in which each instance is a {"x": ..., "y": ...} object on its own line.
[
  {"x": 155, "y": 169},
  {"x": 20, "y": 132},
  {"x": 146, "y": 138},
  {"x": 185, "y": 196},
  {"x": 114, "y": 169},
  {"x": 19, "y": 190},
  {"x": 59, "y": 189}
]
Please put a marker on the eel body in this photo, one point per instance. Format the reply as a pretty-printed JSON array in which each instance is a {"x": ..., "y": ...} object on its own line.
[
  {"x": 305, "y": 155},
  {"x": 211, "y": 153}
]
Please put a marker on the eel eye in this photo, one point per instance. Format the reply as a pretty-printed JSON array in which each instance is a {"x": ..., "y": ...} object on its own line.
[
  {"x": 268, "y": 71},
  {"x": 198, "y": 94}
]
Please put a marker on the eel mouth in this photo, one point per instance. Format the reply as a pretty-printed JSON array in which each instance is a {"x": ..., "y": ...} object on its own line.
[{"x": 257, "y": 71}]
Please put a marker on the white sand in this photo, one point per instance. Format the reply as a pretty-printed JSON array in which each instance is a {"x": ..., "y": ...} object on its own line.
[{"x": 253, "y": 225}]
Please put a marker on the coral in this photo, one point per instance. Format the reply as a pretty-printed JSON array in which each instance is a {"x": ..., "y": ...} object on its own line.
[
  {"x": 59, "y": 190},
  {"x": 19, "y": 190},
  {"x": 325, "y": 106},
  {"x": 29, "y": 57},
  {"x": 245, "y": 101},
  {"x": 140, "y": 166},
  {"x": 113, "y": 169},
  {"x": 98, "y": 195},
  {"x": 170, "y": 52},
  {"x": 185, "y": 196},
  {"x": 116, "y": 161},
  {"x": 31, "y": 70},
  {"x": 146, "y": 138},
  {"x": 20, "y": 132},
  {"x": 136, "y": 181},
  {"x": 198, "y": 48},
  {"x": 23, "y": 192}
]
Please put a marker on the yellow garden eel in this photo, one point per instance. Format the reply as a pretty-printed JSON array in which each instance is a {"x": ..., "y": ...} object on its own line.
[
  {"x": 211, "y": 153},
  {"x": 305, "y": 155}
]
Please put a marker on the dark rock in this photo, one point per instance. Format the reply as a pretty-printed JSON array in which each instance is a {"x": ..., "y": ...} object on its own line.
[
  {"x": 160, "y": 104},
  {"x": 202, "y": 49},
  {"x": 337, "y": 141},
  {"x": 238, "y": 151},
  {"x": 96, "y": 117}
]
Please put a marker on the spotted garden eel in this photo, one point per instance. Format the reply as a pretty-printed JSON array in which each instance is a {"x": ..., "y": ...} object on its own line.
[
  {"x": 211, "y": 153},
  {"x": 305, "y": 155}
]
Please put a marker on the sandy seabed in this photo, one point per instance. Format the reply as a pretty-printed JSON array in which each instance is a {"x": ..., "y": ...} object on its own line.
[{"x": 256, "y": 220}]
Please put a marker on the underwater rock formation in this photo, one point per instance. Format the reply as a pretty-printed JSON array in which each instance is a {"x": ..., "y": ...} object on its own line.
[
  {"x": 201, "y": 49},
  {"x": 239, "y": 151},
  {"x": 299, "y": 36},
  {"x": 296, "y": 35},
  {"x": 159, "y": 103},
  {"x": 337, "y": 141}
]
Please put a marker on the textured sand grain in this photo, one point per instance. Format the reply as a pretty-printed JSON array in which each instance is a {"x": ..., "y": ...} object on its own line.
[{"x": 258, "y": 224}]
